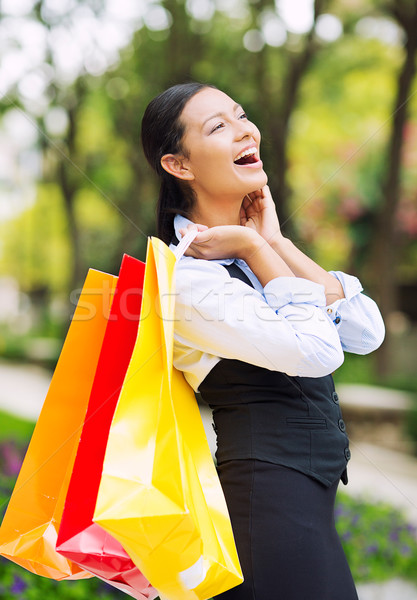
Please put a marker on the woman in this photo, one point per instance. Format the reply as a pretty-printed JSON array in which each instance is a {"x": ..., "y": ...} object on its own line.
[{"x": 259, "y": 328}]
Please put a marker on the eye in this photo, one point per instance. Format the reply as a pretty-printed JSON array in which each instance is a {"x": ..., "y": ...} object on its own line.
[
  {"x": 217, "y": 127},
  {"x": 243, "y": 116}
]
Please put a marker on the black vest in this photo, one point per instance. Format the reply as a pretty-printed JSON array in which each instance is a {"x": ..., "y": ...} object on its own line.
[{"x": 268, "y": 415}]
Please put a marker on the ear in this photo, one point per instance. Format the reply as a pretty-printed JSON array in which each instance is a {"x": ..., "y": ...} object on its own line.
[{"x": 177, "y": 166}]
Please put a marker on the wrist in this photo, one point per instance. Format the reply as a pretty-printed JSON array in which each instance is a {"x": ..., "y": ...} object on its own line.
[
  {"x": 264, "y": 261},
  {"x": 250, "y": 244},
  {"x": 280, "y": 243}
]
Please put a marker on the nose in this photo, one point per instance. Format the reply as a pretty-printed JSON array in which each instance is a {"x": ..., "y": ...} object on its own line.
[{"x": 244, "y": 129}]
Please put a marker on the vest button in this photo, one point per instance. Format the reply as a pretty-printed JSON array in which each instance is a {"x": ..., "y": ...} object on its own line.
[
  {"x": 335, "y": 397},
  {"x": 347, "y": 454},
  {"x": 342, "y": 425}
]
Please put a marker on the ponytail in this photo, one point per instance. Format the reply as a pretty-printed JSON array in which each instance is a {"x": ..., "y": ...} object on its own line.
[{"x": 174, "y": 198}]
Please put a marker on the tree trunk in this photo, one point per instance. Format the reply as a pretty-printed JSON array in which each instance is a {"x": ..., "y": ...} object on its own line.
[
  {"x": 68, "y": 193},
  {"x": 68, "y": 185},
  {"x": 386, "y": 242},
  {"x": 182, "y": 44},
  {"x": 278, "y": 121}
]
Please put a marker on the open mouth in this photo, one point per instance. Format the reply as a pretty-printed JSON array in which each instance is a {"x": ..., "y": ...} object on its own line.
[{"x": 247, "y": 157}]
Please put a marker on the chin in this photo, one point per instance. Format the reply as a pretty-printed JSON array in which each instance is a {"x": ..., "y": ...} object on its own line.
[{"x": 257, "y": 182}]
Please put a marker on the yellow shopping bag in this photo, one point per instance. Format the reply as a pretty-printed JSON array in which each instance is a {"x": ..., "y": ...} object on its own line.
[
  {"x": 30, "y": 526},
  {"x": 159, "y": 494}
]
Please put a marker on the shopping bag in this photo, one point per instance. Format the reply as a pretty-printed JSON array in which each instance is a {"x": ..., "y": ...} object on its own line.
[
  {"x": 79, "y": 539},
  {"x": 159, "y": 493},
  {"x": 30, "y": 526}
]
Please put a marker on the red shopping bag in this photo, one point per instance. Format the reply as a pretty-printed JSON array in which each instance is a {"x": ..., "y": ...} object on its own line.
[{"x": 79, "y": 539}]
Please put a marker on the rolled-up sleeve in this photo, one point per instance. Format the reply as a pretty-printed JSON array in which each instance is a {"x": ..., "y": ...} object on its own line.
[
  {"x": 283, "y": 329},
  {"x": 357, "y": 317}
]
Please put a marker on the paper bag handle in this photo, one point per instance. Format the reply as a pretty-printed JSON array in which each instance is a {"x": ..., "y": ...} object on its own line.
[{"x": 185, "y": 242}]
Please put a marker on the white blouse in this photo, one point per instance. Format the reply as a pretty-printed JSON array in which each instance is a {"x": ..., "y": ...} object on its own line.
[{"x": 284, "y": 326}]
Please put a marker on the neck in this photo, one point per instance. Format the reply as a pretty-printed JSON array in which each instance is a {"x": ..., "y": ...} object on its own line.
[{"x": 217, "y": 211}]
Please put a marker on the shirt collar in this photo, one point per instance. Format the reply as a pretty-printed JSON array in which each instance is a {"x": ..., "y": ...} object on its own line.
[{"x": 181, "y": 222}]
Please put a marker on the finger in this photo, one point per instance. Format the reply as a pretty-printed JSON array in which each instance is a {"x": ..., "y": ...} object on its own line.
[
  {"x": 190, "y": 252},
  {"x": 266, "y": 192},
  {"x": 203, "y": 237},
  {"x": 242, "y": 216},
  {"x": 246, "y": 202},
  {"x": 195, "y": 249},
  {"x": 256, "y": 194},
  {"x": 191, "y": 227}
]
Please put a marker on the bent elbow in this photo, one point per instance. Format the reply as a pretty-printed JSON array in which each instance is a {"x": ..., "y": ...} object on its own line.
[
  {"x": 373, "y": 333},
  {"x": 372, "y": 337},
  {"x": 322, "y": 362},
  {"x": 339, "y": 359},
  {"x": 330, "y": 361},
  {"x": 371, "y": 340}
]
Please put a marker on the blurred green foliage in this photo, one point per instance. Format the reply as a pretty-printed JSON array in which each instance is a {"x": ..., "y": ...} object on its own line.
[
  {"x": 14, "y": 429},
  {"x": 15, "y": 583},
  {"x": 411, "y": 425},
  {"x": 337, "y": 133},
  {"x": 378, "y": 541},
  {"x": 35, "y": 245}
]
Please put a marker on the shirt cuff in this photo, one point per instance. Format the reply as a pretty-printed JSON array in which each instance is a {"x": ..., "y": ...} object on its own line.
[
  {"x": 293, "y": 290},
  {"x": 350, "y": 284}
]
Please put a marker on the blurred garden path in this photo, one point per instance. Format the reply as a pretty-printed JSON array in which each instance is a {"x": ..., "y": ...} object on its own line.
[
  {"x": 374, "y": 472},
  {"x": 23, "y": 389}
]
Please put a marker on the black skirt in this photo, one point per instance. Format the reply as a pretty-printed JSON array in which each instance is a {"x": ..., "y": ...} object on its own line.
[{"x": 283, "y": 523}]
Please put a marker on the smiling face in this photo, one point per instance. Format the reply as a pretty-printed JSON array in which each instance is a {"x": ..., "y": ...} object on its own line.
[{"x": 221, "y": 146}]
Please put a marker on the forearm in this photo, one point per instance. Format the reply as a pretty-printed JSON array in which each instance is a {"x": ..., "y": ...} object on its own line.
[
  {"x": 264, "y": 261},
  {"x": 303, "y": 266}
]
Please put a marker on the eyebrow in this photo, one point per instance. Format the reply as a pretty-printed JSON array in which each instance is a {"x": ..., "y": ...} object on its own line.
[{"x": 220, "y": 114}]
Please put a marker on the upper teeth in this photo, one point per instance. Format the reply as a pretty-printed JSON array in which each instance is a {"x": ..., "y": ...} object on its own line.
[{"x": 247, "y": 152}]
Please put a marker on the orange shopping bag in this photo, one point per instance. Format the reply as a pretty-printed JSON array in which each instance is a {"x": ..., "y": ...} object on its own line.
[{"x": 30, "y": 527}]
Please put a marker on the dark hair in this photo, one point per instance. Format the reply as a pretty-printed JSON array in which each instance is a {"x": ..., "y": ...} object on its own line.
[{"x": 162, "y": 133}]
